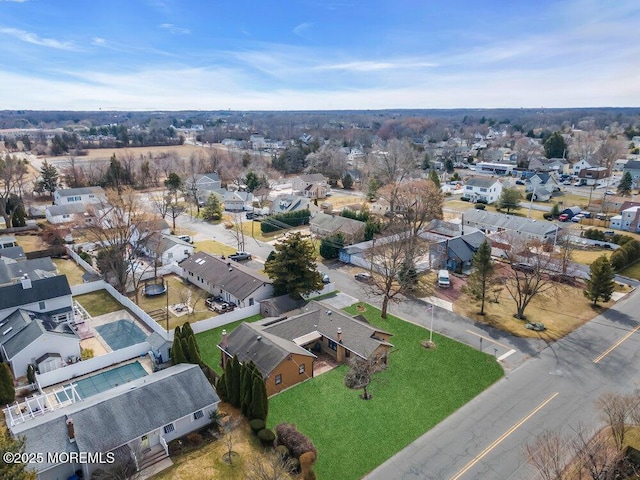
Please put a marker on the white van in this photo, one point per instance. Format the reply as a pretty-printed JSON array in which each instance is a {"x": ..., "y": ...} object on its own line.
[{"x": 443, "y": 279}]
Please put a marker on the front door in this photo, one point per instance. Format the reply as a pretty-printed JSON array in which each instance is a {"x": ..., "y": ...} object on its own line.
[{"x": 144, "y": 442}]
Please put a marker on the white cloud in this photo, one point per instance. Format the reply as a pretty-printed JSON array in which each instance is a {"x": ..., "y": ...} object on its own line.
[
  {"x": 36, "y": 40},
  {"x": 15, "y": 1},
  {"x": 302, "y": 29},
  {"x": 370, "y": 66},
  {"x": 170, "y": 27},
  {"x": 98, "y": 41}
]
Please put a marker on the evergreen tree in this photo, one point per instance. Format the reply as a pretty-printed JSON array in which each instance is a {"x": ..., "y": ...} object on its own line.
[
  {"x": 11, "y": 470},
  {"x": 330, "y": 246},
  {"x": 601, "y": 280},
  {"x": 426, "y": 162},
  {"x": 625, "y": 185},
  {"x": 194, "y": 354},
  {"x": 347, "y": 181},
  {"x": 221, "y": 387},
  {"x": 246, "y": 393},
  {"x": 260, "y": 402},
  {"x": 555, "y": 146},
  {"x": 177, "y": 333},
  {"x": 483, "y": 272},
  {"x": 31, "y": 373},
  {"x": 228, "y": 377},
  {"x": 212, "y": 210},
  {"x": 48, "y": 178},
  {"x": 7, "y": 391},
  {"x": 234, "y": 394},
  {"x": 433, "y": 176},
  {"x": 555, "y": 210},
  {"x": 293, "y": 269},
  {"x": 177, "y": 354},
  {"x": 509, "y": 200}
]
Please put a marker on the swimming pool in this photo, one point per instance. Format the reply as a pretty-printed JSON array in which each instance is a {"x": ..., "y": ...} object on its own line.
[
  {"x": 121, "y": 334},
  {"x": 106, "y": 380}
]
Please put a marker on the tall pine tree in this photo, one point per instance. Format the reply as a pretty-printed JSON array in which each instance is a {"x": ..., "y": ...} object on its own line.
[
  {"x": 260, "y": 403},
  {"x": 601, "y": 283},
  {"x": 234, "y": 394},
  {"x": 7, "y": 390},
  {"x": 483, "y": 270}
]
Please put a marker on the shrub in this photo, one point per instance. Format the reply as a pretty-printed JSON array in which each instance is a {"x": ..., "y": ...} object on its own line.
[
  {"x": 283, "y": 451},
  {"x": 307, "y": 460},
  {"x": 297, "y": 442},
  {"x": 194, "y": 439},
  {"x": 482, "y": 200},
  {"x": 266, "y": 436},
  {"x": 480, "y": 206},
  {"x": 86, "y": 353},
  {"x": 256, "y": 425}
]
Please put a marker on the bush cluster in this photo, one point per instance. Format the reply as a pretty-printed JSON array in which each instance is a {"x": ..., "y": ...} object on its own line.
[
  {"x": 266, "y": 436},
  {"x": 297, "y": 442},
  {"x": 625, "y": 255},
  {"x": 293, "y": 219}
]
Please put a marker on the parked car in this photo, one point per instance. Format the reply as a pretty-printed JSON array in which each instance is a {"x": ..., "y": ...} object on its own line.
[
  {"x": 519, "y": 182},
  {"x": 210, "y": 302},
  {"x": 240, "y": 256},
  {"x": 609, "y": 192},
  {"x": 444, "y": 280},
  {"x": 563, "y": 217},
  {"x": 567, "y": 182},
  {"x": 325, "y": 278},
  {"x": 523, "y": 267},
  {"x": 223, "y": 308},
  {"x": 577, "y": 218},
  {"x": 363, "y": 277},
  {"x": 186, "y": 238}
]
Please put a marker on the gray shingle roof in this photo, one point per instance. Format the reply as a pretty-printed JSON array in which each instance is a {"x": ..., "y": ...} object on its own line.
[
  {"x": 68, "y": 209},
  {"x": 481, "y": 182},
  {"x": 16, "y": 253},
  {"x": 500, "y": 221},
  {"x": 27, "y": 327},
  {"x": 284, "y": 303},
  {"x": 230, "y": 276},
  {"x": 250, "y": 341},
  {"x": 33, "y": 268},
  {"x": 336, "y": 223},
  {"x": 112, "y": 418},
  {"x": 43, "y": 289},
  {"x": 81, "y": 191}
]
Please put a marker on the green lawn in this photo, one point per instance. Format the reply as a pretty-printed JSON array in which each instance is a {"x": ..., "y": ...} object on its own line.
[
  {"x": 98, "y": 303},
  {"x": 69, "y": 268},
  {"x": 419, "y": 389},
  {"x": 208, "y": 341},
  {"x": 632, "y": 271},
  {"x": 214, "y": 247}
]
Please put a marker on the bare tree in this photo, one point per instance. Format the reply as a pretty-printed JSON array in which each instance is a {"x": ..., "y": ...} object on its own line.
[
  {"x": 111, "y": 225},
  {"x": 12, "y": 172},
  {"x": 238, "y": 231},
  {"x": 270, "y": 467},
  {"x": 161, "y": 200},
  {"x": 548, "y": 453},
  {"x": 417, "y": 202},
  {"x": 228, "y": 436},
  {"x": 616, "y": 410},
  {"x": 583, "y": 145},
  {"x": 124, "y": 465},
  {"x": 595, "y": 454},
  {"x": 394, "y": 165},
  {"x": 361, "y": 371},
  {"x": 611, "y": 150},
  {"x": 563, "y": 257},
  {"x": 529, "y": 275},
  {"x": 174, "y": 210}
]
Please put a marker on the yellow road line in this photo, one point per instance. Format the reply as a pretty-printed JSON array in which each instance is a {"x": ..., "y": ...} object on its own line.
[
  {"x": 615, "y": 345},
  {"x": 488, "y": 339},
  {"x": 501, "y": 438}
]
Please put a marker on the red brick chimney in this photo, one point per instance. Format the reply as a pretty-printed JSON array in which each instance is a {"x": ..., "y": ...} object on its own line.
[
  {"x": 339, "y": 335},
  {"x": 225, "y": 341},
  {"x": 71, "y": 431}
]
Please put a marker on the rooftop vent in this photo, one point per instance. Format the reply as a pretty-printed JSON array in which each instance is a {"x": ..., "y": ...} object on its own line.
[
  {"x": 7, "y": 331},
  {"x": 259, "y": 337}
]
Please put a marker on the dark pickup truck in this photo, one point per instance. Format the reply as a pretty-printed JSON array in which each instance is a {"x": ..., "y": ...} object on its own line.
[{"x": 240, "y": 256}]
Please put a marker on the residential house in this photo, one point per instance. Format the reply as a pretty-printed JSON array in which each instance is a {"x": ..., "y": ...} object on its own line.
[
  {"x": 165, "y": 248},
  {"x": 144, "y": 230},
  {"x": 593, "y": 173},
  {"x": 558, "y": 165},
  {"x": 13, "y": 271},
  {"x": 71, "y": 213},
  {"x": 233, "y": 281},
  {"x": 136, "y": 419},
  {"x": 202, "y": 185},
  {"x": 289, "y": 203},
  {"x": 12, "y": 254},
  {"x": 257, "y": 142},
  {"x": 456, "y": 254},
  {"x": 324, "y": 225},
  {"x": 8, "y": 242},
  {"x": 524, "y": 228},
  {"x": 380, "y": 207},
  {"x": 485, "y": 190},
  {"x": 86, "y": 195},
  {"x": 628, "y": 220},
  {"x": 237, "y": 201},
  {"x": 278, "y": 306},
  {"x": 312, "y": 186},
  {"x": 580, "y": 165},
  {"x": 34, "y": 317},
  {"x": 633, "y": 167},
  {"x": 284, "y": 349},
  {"x": 541, "y": 181}
]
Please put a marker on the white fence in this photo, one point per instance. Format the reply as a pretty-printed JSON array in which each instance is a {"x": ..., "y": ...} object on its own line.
[
  {"x": 91, "y": 365},
  {"x": 81, "y": 262},
  {"x": 224, "y": 319},
  {"x": 328, "y": 288}
]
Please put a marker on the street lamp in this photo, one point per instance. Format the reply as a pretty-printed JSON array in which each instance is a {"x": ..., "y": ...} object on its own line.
[{"x": 431, "y": 307}]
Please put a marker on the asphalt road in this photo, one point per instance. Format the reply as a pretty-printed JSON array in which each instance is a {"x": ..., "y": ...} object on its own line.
[{"x": 555, "y": 389}]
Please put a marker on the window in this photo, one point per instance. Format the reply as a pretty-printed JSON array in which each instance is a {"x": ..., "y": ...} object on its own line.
[
  {"x": 198, "y": 414},
  {"x": 278, "y": 379},
  {"x": 483, "y": 189},
  {"x": 169, "y": 428},
  {"x": 170, "y": 255},
  {"x": 301, "y": 369},
  {"x": 333, "y": 345},
  {"x": 41, "y": 305}
]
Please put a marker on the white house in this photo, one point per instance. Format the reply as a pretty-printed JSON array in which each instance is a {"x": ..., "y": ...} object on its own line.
[
  {"x": 135, "y": 420},
  {"x": 166, "y": 248},
  {"x": 233, "y": 281},
  {"x": 79, "y": 195},
  {"x": 499, "y": 223},
  {"x": 237, "y": 201},
  {"x": 628, "y": 220},
  {"x": 33, "y": 323},
  {"x": 73, "y": 212},
  {"x": 310, "y": 185},
  {"x": 541, "y": 181},
  {"x": 580, "y": 165},
  {"x": 482, "y": 189},
  {"x": 144, "y": 230},
  {"x": 202, "y": 185}
]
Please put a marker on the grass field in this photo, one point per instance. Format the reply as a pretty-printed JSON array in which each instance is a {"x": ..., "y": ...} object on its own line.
[
  {"x": 30, "y": 243},
  {"x": 70, "y": 269},
  {"x": 105, "y": 153},
  {"x": 98, "y": 303},
  {"x": 419, "y": 389},
  {"x": 586, "y": 257},
  {"x": 214, "y": 247},
  {"x": 208, "y": 341}
]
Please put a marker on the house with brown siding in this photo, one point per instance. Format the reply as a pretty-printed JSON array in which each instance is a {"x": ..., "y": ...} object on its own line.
[{"x": 284, "y": 349}]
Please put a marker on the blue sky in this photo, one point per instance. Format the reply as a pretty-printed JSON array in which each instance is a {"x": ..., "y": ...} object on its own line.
[{"x": 317, "y": 54}]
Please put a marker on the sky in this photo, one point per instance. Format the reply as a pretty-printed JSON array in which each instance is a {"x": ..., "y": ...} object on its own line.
[{"x": 318, "y": 54}]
